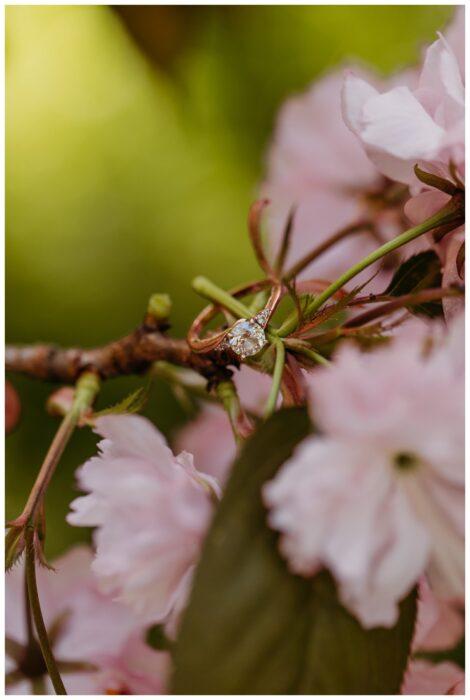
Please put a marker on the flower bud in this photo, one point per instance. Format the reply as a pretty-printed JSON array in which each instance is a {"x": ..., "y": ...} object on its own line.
[
  {"x": 159, "y": 306},
  {"x": 60, "y": 402}
]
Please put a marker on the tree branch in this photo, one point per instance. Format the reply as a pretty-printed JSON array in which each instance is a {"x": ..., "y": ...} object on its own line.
[{"x": 132, "y": 354}]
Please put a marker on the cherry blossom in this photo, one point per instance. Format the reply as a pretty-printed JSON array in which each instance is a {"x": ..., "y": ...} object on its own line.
[
  {"x": 316, "y": 165},
  {"x": 150, "y": 510},
  {"x": 426, "y": 678},
  {"x": 90, "y": 627},
  {"x": 378, "y": 496},
  {"x": 402, "y": 127},
  {"x": 439, "y": 627}
]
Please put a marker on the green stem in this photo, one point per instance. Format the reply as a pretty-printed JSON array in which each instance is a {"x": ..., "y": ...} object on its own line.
[
  {"x": 446, "y": 215},
  {"x": 207, "y": 289},
  {"x": 37, "y": 615},
  {"x": 30, "y": 638},
  {"x": 86, "y": 389},
  {"x": 259, "y": 302},
  {"x": 310, "y": 353},
  {"x": 241, "y": 425},
  {"x": 276, "y": 379}
]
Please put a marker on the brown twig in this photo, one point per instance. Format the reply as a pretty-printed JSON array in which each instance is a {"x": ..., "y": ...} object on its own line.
[
  {"x": 133, "y": 354},
  {"x": 254, "y": 229},
  {"x": 357, "y": 227},
  {"x": 414, "y": 299},
  {"x": 285, "y": 242}
]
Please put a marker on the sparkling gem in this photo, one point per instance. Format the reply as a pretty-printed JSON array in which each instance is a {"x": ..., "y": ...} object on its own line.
[
  {"x": 262, "y": 317},
  {"x": 246, "y": 338}
]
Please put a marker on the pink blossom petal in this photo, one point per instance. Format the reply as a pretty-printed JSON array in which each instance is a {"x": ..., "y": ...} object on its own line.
[
  {"x": 425, "y": 678},
  {"x": 356, "y": 92},
  {"x": 425, "y": 205},
  {"x": 439, "y": 626}
]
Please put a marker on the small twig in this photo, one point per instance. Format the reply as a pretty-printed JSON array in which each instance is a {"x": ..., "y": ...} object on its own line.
[
  {"x": 254, "y": 229},
  {"x": 357, "y": 227},
  {"x": 37, "y": 615},
  {"x": 241, "y": 424},
  {"x": 285, "y": 242},
  {"x": 302, "y": 349},
  {"x": 414, "y": 299},
  {"x": 86, "y": 390},
  {"x": 30, "y": 638},
  {"x": 450, "y": 214}
]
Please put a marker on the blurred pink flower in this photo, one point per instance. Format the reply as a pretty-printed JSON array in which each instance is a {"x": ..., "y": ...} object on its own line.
[
  {"x": 209, "y": 437},
  {"x": 455, "y": 35},
  {"x": 316, "y": 165},
  {"x": 151, "y": 510},
  {"x": 426, "y": 678},
  {"x": 458, "y": 688},
  {"x": 401, "y": 127},
  {"x": 93, "y": 629},
  {"x": 439, "y": 625},
  {"x": 451, "y": 275},
  {"x": 379, "y": 497}
]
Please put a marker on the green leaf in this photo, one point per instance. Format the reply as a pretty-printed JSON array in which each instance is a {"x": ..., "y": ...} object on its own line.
[
  {"x": 435, "y": 181},
  {"x": 14, "y": 546},
  {"x": 130, "y": 404},
  {"x": 254, "y": 628},
  {"x": 421, "y": 271}
]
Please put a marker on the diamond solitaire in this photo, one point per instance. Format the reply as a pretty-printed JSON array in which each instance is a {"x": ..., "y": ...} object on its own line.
[
  {"x": 246, "y": 338},
  {"x": 247, "y": 335}
]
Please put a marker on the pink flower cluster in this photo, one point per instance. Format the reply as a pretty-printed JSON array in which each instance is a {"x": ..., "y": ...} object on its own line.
[
  {"x": 378, "y": 495},
  {"x": 439, "y": 626},
  {"x": 341, "y": 150},
  {"x": 151, "y": 511},
  {"x": 97, "y": 642},
  {"x": 402, "y": 127}
]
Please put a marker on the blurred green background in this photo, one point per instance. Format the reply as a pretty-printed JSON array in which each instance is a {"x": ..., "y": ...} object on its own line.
[{"x": 135, "y": 140}]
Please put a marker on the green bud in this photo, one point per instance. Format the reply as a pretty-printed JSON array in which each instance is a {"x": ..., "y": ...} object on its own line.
[{"x": 159, "y": 306}]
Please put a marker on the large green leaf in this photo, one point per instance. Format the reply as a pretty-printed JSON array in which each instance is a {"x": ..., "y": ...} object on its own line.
[
  {"x": 253, "y": 627},
  {"x": 421, "y": 271}
]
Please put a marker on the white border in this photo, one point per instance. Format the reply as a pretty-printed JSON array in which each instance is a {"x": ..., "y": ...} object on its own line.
[{"x": 2, "y": 263}]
